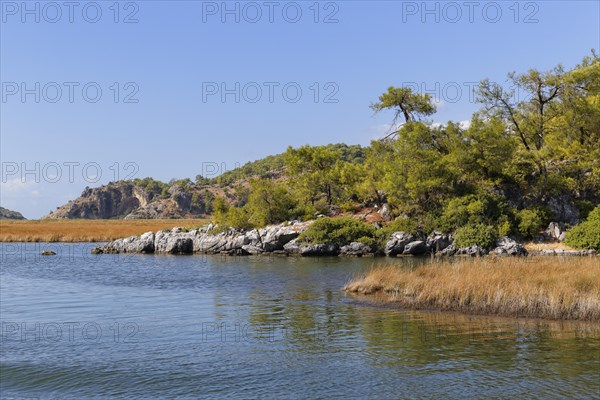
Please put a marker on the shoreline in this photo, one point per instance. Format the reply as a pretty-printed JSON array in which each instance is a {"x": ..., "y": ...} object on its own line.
[
  {"x": 193, "y": 236},
  {"x": 375, "y": 302}
]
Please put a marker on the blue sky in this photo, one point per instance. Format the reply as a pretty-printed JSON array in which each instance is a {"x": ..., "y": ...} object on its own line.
[{"x": 168, "y": 118}]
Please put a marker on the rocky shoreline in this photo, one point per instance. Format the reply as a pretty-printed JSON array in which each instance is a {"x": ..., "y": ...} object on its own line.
[{"x": 282, "y": 239}]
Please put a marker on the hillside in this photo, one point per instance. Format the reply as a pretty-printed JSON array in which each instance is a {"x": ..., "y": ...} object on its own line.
[
  {"x": 518, "y": 165},
  {"x": 152, "y": 199},
  {"x": 9, "y": 214}
]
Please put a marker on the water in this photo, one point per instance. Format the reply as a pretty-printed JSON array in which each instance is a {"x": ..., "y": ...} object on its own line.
[{"x": 83, "y": 326}]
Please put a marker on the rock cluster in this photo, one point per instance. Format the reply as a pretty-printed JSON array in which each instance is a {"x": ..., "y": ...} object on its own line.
[
  {"x": 283, "y": 239},
  {"x": 177, "y": 241}
]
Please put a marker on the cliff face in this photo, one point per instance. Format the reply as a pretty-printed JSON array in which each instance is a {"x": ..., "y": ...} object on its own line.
[
  {"x": 114, "y": 200},
  {"x": 133, "y": 200},
  {"x": 5, "y": 213}
]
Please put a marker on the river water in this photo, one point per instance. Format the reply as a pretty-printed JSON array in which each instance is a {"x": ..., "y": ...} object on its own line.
[{"x": 113, "y": 326}]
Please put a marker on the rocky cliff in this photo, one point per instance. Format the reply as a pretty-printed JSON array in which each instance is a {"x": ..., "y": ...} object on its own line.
[{"x": 140, "y": 199}]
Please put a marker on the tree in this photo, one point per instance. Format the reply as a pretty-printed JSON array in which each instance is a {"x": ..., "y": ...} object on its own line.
[
  {"x": 405, "y": 103},
  {"x": 313, "y": 172},
  {"x": 528, "y": 118},
  {"x": 269, "y": 202}
]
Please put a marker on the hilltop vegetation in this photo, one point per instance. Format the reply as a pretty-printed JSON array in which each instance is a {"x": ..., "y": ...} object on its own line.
[
  {"x": 5, "y": 213},
  {"x": 529, "y": 156},
  {"x": 518, "y": 165}
]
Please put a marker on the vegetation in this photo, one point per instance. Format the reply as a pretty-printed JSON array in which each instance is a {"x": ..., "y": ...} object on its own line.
[
  {"x": 550, "y": 288},
  {"x": 480, "y": 235},
  {"x": 339, "y": 231},
  {"x": 515, "y": 168},
  {"x": 5, "y": 213},
  {"x": 587, "y": 234},
  {"x": 530, "y": 156},
  {"x": 80, "y": 230}
]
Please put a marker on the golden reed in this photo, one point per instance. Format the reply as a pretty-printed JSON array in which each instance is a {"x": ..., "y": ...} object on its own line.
[
  {"x": 536, "y": 287},
  {"x": 85, "y": 230}
]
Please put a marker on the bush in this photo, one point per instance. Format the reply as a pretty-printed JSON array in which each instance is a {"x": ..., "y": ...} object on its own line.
[
  {"x": 401, "y": 225},
  {"x": 480, "y": 235},
  {"x": 483, "y": 208},
  {"x": 339, "y": 231},
  {"x": 530, "y": 222},
  {"x": 587, "y": 234}
]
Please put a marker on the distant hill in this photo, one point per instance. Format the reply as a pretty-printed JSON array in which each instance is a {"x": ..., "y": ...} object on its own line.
[
  {"x": 9, "y": 214},
  {"x": 152, "y": 199}
]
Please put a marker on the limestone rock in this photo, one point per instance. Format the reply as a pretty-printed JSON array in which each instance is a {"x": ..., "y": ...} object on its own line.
[
  {"x": 416, "y": 248},
  {"x": 356, "y": 249},
  {"x": 508, "y": 246},
  {"x": 396, "y": 244}
]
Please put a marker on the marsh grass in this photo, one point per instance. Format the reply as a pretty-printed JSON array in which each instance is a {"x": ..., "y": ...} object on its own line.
[
  {"x": 85, "y": 230},
  {"x": 536, "y": 287}
]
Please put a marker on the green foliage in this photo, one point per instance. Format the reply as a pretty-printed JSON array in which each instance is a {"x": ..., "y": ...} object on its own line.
[
  {"x": 401, "y": 224},
  {"x": 481, "y": 235},
  {"x": 230, "y": 217},
  {"x": 531, "y": 222},
  {"x": 518, "y": 152},
  {"x": 153, "y": 188},
  {"x": 585, "y": 208},
  {"x": 260, "y": 168},
  {"x": 587, "y": 234},
  {"x": 405, "y": 103},
  {"x": 269, "y": 203},
  {"x": 482, "y": 208},
  {"x": 339, "y": 231}
]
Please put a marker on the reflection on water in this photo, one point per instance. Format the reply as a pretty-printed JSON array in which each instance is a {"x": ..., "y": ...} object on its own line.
[{"x": 152, "y": 326}]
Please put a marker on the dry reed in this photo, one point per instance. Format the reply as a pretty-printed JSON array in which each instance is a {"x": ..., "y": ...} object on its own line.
[
  {"x": 85, "y": 230},
  {"x": 537, "y": 287}
]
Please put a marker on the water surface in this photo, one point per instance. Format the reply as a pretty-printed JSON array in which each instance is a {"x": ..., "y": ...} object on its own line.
[{"x": 79, "y": 326}]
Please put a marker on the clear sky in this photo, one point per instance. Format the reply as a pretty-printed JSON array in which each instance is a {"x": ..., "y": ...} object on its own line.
[{"x": 186, "y": 84}]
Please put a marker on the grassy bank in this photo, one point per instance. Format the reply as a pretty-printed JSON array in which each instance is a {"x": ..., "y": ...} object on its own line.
[
  {"x": 84, "y": 230},
  {"x": 536, "y": 287}
]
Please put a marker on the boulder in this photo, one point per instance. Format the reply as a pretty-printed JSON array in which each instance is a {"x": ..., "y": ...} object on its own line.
[
  {"x": 292, "y": 247},
  {"x": 132, "y": 244},
  {"x": 48, "y": 253},
  {"x": 173, "y": 243},
  {"x": 275, "y": 237},
  {"x": 396, "y": 244},
  {"x": 554, "y": 231},
  {"x": 508, "y": 246},
  {"x": 252, "y": 250},
  {"x": 438, "y": 241},
  {"x": 449, "y": 251},
  {"x": 355, "y": 249},
  {"x": 416, "y": 248},
  {"x": 319, "y": 250},
  {"x": 473, "y": 251}
]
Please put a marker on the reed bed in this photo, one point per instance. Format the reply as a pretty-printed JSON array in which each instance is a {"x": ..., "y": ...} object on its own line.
[
  {"x": 536, "y": 287},
  {"x": 85, "y": 230}
]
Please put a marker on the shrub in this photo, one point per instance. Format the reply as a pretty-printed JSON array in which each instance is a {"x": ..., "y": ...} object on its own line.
[
  {"x": 269, "y": 203},
  {"x": 483, "y": 208},
  {"x": 480, "y": 235},
  {"x": 339, "y": 231},
  {"x": 530, "y": 222},
  {"x": 402, "y": 225},
  {"x": 587, "y": 234}
]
